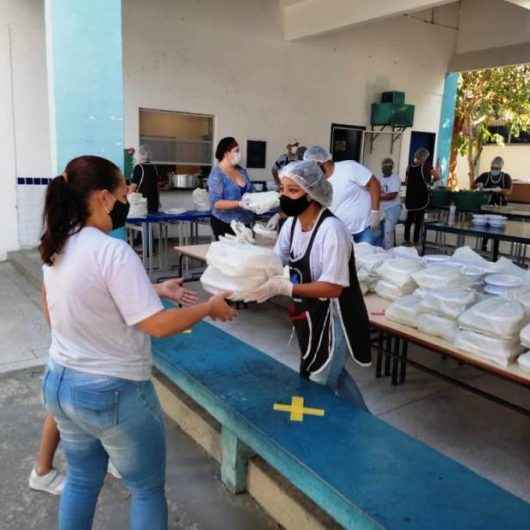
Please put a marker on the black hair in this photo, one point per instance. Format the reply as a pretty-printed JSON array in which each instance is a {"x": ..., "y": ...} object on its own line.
[
  {"x": 225, "y": 144},
  {"x": 66, "y": 204}
]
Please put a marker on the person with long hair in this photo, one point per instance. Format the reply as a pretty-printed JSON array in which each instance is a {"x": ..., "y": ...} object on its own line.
[
  {"x": 227, "y": 183},
  {"x": 102, "y": 309}
]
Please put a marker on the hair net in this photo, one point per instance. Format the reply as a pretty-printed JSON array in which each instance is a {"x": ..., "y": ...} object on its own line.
[
  {"x": 144, "y": 154},
  {"x": 422, "y": 154},
  {"x": 317, "y": 154},
  {"x": 308, "y": 175},
  {"x": 498, "y": 161},
  {"x": 387, "y": 162}
]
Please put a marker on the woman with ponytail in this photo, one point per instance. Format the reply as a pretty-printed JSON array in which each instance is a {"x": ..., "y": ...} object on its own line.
[{"x": 102, "y": 309}]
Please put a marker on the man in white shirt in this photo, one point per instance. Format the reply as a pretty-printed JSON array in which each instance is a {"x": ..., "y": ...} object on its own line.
[
  {"x": 356, "y": 195},
  {"x": 390, "y": 201}
]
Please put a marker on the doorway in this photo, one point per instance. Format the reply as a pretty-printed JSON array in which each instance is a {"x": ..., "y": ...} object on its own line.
[
  {"x": 420, "y": 139},
  {"x": 346, "y": 142}
]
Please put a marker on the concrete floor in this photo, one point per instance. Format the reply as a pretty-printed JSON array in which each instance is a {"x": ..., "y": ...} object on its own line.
[{"x": 483, "y": 435}]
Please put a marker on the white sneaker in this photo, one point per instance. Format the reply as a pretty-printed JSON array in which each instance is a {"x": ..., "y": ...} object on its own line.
[
  {"x": 113, "y": 471},
  {"x": 52, "y": 482}
]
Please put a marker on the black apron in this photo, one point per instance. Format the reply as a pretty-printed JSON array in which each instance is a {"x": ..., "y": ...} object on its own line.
[
  {"x": 418, "y": 193},
  {"x": 496, "y": 198},
  {"x": 312, "y": 318}
]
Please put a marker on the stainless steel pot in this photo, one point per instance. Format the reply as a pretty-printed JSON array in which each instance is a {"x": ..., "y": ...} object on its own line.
[{"x": 185, "y": 181}]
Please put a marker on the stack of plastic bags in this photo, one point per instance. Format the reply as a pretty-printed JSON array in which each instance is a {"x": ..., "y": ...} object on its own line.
[
  {"x": 491, "y": 329},
  {"x": 396, "y": 278},
  {"x": 367, "y": 259},
  {"x": 235, "y": 264},
  {"x": 439, "y": 277},
  {"x": 201, "y": 200},
  {"x": 404, "y": 310},
  {"x": 524, "y": 360}
]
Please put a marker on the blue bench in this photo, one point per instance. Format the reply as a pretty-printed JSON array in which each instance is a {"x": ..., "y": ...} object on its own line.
[{"x": 363, "y": 472}]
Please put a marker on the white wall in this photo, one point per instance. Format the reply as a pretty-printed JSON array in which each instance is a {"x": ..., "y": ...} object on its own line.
[
  {"x": 229, "y": 59},
  {"x": 23, "y": 121}
]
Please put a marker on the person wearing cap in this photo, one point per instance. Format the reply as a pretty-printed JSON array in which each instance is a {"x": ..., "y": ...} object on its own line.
[
  {"x": 420, "y": 176},
  {"x": 294, "y": 152},
  {"x": 356, "y": 195},
  {"x": 496, "y": 179},
  {"x": 390, "y": 201},
  {"x": 328, "y": 312},
  {"x": 145, "y": 179}
]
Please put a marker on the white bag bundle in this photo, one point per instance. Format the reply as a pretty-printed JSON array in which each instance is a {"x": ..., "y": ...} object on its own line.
[
  {"x": 404, "y": 310},
  {"x": 138, "y": 205},
  {"x": 525, "y": 336},
  {"x": 522, "y": 296},
  {"x": 500, "y": 351},
  {"x": 201, "y": 200},
  {"x": 364, "y": 248},
  {"x": 524, "y": 361},
  {"x": 466, "y": 256},
  {"x": 264, "y": 236},
  {"x": 214, "y": 281},
  {"x": 438, "y": 277},
  {"x": 390, "y": 291},
  {"x": 437, "y": 326},
  {"x": 370, "y": 261},
  {"x": 399, "y": 271},
  {"x": 242, "y": 259},
  {"x": 405, "y": 252},
  {"x": 449, "y": 303},
  {"x": 261, "y": 202},
  {"x": 496, "y": 317}
]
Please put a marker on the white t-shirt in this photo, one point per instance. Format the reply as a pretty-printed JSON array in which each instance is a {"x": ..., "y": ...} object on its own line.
[
  {"x": 97, "y": 290},
  {"x": 351, "y": 200},
  {"x": 391, "y": 184},
  {"x": 330, "y": 254}
]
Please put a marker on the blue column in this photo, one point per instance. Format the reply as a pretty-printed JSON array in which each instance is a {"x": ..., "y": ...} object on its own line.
[
  {"x": 447, "y": 118},
  {"x": 85, "y": 79}
]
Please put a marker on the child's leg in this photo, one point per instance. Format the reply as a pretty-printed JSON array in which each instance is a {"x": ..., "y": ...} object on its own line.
[{"x": 48, "y": 445}]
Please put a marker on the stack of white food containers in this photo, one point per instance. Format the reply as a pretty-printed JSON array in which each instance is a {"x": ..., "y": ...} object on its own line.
[{"x": 396, "y": 278}]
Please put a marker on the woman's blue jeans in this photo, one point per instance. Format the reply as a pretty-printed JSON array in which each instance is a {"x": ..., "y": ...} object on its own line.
[{"x": 101, "y": 417}]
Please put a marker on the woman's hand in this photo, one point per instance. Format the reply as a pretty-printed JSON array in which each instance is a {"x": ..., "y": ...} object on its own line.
[
  {"x": 218, "y": 309},
  {"x": 174, "y": 290}
]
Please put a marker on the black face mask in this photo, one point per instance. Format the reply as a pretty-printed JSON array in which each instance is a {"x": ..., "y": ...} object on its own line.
[
  {"x": 293, "y": 207},
  {"x": 118, "y": 214},
  {"x": 387, "y": 171}
]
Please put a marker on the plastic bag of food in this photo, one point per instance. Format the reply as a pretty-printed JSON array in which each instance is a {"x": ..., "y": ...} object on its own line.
[
  {"x": 438, "y": 277},
  {"x": 500, "y": 351},
  {"x": 405, "y": 252},
  {"x": 399, "y": 271},
  {"x": 404, "y": 310},
  {"x": 525, "y": 336},
  {"x": 524, "y": 361},
  {"x": 201, "y": 200},
  {"x": 263, "y": 236},
  {"x": 363, "y": 248},
  {"x": 261, "y": 202},
  {"x": 370, "y": 261},
  {"x": 390, "y": 291},
  {"x": 437, "y": 326},
  {"x": 234, "y": 258},
  {"x": 466, "y": 256},
  {"x": 449, "y": 303},
  {"x": 522, "y": 296},
  {"x": 137, "y": 205},
  {"x": 214, "y": 281},
  {"x": 496, "y": 317}
]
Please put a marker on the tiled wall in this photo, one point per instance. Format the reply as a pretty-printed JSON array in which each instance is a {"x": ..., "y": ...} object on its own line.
[{"x": 30, "y": 202}]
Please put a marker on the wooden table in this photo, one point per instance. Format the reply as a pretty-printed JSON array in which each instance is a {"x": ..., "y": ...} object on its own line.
[
  {"x": 393, "y": 341},
  {"x": 197, "y": 252}
]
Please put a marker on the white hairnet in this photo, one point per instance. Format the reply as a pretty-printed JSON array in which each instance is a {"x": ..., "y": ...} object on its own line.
[
  {"x": 498, "y": 161},
  {"x": 143, "y": 154},
  {"x": 317, "y": 153},
  {"x": 310, "y": 177}
]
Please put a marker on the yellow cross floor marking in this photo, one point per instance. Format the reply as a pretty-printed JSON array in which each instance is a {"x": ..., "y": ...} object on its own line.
[{"x": 297, "y": 409}]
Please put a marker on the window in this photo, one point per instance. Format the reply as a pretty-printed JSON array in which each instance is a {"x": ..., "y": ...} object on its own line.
[
  {"x": 177, "y": 138},
  {"x": 523, "y": 138}
]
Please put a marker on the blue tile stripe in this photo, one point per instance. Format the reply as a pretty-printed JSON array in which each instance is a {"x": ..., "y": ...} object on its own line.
[{"x": 33, "y": 181}]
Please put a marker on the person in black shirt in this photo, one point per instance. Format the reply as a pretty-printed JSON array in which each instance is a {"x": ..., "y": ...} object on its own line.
[
  {"x": 420, "y": 175},
  {"x": 145, "y": 180},
  {"x": 495, "y": 179}
]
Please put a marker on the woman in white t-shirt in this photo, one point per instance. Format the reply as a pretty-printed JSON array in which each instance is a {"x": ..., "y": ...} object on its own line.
[
  {"x": 328, "y": 314},
  {"x": 102, "y": 308}
]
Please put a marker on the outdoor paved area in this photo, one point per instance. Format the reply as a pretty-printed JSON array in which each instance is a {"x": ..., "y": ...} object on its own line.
[{"x": 483, "y": 435}]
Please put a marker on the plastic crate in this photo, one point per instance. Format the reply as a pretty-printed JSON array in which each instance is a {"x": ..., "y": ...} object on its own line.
[
  {"x": 382, "y": 113},
  {"x": 440, "y": 198},
  {"x": 469, "y": 201},
  {"x": 394, "y": 97}
]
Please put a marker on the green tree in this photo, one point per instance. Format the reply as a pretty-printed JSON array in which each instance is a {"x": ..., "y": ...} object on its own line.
[{"x": 485, "y": 97}]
